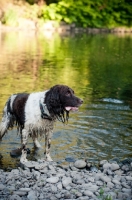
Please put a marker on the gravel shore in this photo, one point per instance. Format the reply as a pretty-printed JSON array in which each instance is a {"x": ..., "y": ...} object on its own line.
[{"x": 80, "y": 180}]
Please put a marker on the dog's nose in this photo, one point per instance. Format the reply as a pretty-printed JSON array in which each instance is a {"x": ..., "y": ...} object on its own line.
[{"x": 81, "y": 101}]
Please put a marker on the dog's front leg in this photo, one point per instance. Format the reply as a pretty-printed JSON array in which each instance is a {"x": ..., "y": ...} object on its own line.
[
  {"x": 24, "y": 139},
  {"x": 48, "y": 137}
]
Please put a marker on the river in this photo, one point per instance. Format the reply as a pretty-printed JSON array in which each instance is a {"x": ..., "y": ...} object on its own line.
[{"x": 98, "y": 68}]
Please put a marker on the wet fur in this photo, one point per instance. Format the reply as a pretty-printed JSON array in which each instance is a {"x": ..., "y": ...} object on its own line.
[{"x": 34, "y": 114}]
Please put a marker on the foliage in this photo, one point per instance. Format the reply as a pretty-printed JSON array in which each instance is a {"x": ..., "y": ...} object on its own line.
[
  {"x": 102, "y": 196},
  {"x": 10, "y": 18},
  {"x": 89, "y": 13}
]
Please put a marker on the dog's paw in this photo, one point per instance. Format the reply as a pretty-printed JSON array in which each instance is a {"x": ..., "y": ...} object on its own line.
[
  {"x": 23, "y": 156},
  {"x": 48, "y": 158}
]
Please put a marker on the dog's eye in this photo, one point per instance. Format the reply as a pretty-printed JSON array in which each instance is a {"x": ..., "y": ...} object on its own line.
[{"x": 68, "y": 94}]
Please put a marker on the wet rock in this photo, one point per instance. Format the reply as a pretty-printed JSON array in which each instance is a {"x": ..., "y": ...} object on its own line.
[
  {"x": 70, "y": 159},
  {"x": 80, "y": 164}
]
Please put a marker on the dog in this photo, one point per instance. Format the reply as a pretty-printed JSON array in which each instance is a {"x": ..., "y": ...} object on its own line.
[{"x": 34, "y": 114}]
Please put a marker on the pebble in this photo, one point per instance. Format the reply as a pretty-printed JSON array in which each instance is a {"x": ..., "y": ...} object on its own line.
[
  {"x": 66, "y": 181},
  {"x": 2, "y": 186},
  {"x": 105, "y": 179},
  {"x": 80, "y": 164},
  {"x": 114, "y": 166},
  {"x": 88, "y": 193},
  {"x": 15, "y": 197},
  {"x": 50, "y": 181}
]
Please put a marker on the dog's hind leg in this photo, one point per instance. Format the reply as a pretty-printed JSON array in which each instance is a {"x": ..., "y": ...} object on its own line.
[
  {"x": 35, "y": 141},
  {"x": 48, "y": 137},
  {"x": 24, "y": 139},
  {"x": 7, "y": 119}
]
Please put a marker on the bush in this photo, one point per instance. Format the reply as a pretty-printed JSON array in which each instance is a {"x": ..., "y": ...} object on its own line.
[{"x": 89, "y": 13}]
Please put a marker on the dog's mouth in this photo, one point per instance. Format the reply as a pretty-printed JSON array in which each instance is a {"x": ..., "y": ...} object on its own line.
[{"x": 69, "y": 108}]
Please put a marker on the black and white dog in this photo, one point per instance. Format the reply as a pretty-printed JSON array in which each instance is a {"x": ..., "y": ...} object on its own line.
[{"x": 35, "y": 114}]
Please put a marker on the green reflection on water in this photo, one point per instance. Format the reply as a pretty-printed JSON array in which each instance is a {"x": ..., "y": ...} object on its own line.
[{"x": 95, "y": 66}]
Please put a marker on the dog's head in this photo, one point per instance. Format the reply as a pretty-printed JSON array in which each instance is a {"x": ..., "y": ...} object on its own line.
[{"x": 60, "y": 99}]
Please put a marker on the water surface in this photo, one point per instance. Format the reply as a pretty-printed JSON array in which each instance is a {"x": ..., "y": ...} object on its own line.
[{"x": 97, "y": 67}]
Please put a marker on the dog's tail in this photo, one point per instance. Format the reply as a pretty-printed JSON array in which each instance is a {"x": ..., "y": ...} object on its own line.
[{"x": 7, "y": 118}]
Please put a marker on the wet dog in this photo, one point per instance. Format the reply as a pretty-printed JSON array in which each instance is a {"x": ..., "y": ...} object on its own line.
[{"x": 35, "y": 114}]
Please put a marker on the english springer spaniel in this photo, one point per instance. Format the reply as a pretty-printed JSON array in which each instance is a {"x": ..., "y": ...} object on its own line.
[{"x": 34, "y": 114}]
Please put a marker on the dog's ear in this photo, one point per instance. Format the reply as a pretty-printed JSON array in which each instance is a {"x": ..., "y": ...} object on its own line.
[{"x": 54, "y": 96}]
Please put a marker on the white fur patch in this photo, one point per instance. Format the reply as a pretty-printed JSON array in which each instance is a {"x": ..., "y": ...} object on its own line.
[{"x": 33, "y": 119}]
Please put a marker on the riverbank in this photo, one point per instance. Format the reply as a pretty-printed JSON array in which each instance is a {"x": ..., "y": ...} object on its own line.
[
  {"x": 62, "y": 28},
  {"x": 79, "y": 180}
]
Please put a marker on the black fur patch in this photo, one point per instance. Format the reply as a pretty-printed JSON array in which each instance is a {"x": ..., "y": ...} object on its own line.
[{"x": 19, "y": 108}]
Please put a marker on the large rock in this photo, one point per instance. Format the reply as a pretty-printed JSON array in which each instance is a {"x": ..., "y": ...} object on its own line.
[{"x": 80, "y": 164}]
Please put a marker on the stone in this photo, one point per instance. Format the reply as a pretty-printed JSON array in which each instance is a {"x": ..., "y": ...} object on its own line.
[
  {"x": 53, "y": 179},
  {"x": 36, "y": 175},
  {"x": 124, "y": 184},
  {"x": 58, "y": 196},
  {"x": 25, "y": 189},
  {"x": 66, "y": 181},
  {"x": 20, "y": 193},
  {"x": 128, "y": 191},
  {"x": 32, "y": 195},
  {"x": 91, "y": 179},
  {"x": 29, "y": 164},
  {"x": 107, "y": 166},
  {"x": 99, "y": 183},
  {"x": 105, "y": 179},
  {"x": 102, "y": 162},
  {"x": 80, "y": 164},
  {"x": 53, "y": 188},
  {"x": 110, "y": 185},
  {"x": 2, "y": 186},
  {"x": 129, "y": 178},
  {"x": 116, "y": 182},
  {"x": 15, "y": 197},
  {"x": 40, "y": 166},
  {"x": 98, "y": 175},
  {"x": 59, "y": 186},
  {"x": 78, "y": 194},
  {"x": 88, "y": 193},
  {"x": 114, "y": 166}
]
